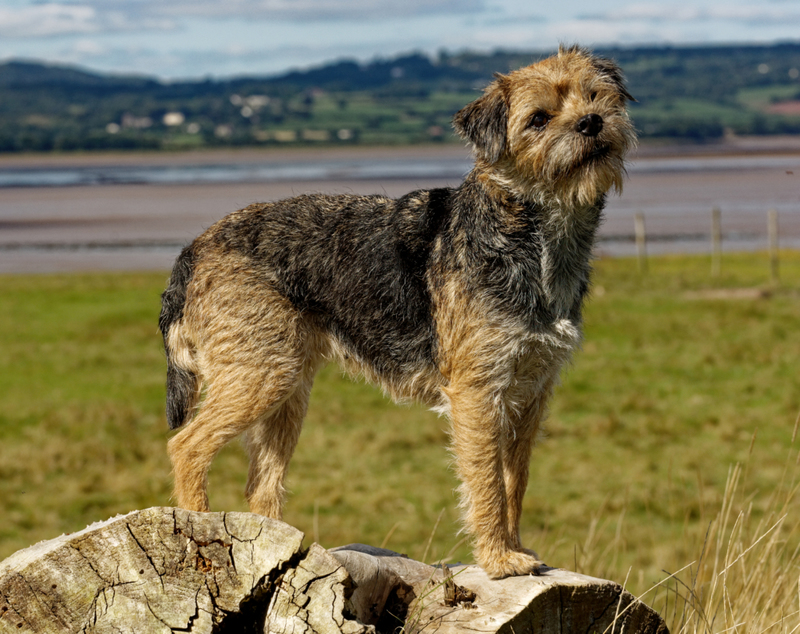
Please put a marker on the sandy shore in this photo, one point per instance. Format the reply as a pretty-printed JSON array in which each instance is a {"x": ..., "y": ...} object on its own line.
[
  {"x": 726, "y": 147},
  {"x": 231, "y": 156},
  {"x": 130, "y": 227}
]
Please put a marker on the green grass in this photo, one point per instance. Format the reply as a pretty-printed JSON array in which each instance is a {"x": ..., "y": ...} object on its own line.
[
  {"x": 673, "y": 388},
  {"x": 761, "y": 98},
  {"x": 689, "y": 109}
]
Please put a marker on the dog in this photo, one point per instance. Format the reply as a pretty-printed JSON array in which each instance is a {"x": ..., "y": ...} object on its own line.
[{"x": 467, "y": 299}]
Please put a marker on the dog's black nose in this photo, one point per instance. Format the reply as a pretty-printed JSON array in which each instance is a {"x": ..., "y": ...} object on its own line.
[{"x": 590, "y": 125}]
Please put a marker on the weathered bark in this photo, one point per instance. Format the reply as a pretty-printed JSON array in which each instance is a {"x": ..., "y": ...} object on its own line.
[{"x": 170, "y": 570}]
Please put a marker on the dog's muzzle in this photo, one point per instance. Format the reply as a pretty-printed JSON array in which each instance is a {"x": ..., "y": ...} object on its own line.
[{"x": 590, "y": 125}]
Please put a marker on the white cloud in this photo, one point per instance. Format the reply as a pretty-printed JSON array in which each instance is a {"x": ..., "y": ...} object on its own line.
[
  {"x": 757, "y": 14},
  {"x": 142, "y": 11},
  {"x": 748, "y": 14},
  {"x": 73, "y": 18},
  {"x": 194, "y": 38},
  {"x": 89, "y": 48},
  {"x": 598, "y": 32},
  {"x": 47, "y": 19}
]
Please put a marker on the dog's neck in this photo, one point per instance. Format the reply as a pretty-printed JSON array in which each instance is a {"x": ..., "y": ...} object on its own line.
[
  {"x": 561, "y": 211},
  {"x": 568, "y": 239},
  {"x": 559, "y": 220},
  {"x": 568, "y": 236},
  {"x": 565, "y": 236}
]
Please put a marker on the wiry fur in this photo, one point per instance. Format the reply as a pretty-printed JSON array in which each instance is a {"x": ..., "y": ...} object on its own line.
[{"x": 467, "y": 299}]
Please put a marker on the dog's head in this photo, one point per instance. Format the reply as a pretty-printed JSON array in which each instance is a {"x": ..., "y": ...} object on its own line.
[{"x": 555, "y": 131}]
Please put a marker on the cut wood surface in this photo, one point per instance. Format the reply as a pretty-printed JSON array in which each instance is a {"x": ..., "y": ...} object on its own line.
[
  {"x": 393, "y": 589},
  {"x": 170, "y": 570}
]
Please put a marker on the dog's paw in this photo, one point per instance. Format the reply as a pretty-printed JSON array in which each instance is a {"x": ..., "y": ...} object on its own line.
[{"x": 513, "y": 563}]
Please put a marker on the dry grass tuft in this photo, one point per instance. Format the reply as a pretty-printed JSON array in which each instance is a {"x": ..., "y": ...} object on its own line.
[{"x": 745, "y": 577}]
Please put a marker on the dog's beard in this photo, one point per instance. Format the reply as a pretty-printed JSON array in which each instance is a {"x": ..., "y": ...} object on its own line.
[
  {"x": 591, "y": 179},
  {"x": 571, "y": 171},
  {"x": 577, "y": 180}
]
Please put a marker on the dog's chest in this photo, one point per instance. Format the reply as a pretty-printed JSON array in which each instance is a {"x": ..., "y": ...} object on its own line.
[
  {"x": 565, "y": 242},
  {"x": 564, "y": 280}
]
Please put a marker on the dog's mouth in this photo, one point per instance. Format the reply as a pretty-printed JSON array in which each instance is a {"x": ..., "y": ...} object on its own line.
[
  {"x": 591, "y": 160},
  {"x": 597, "y": 153}
]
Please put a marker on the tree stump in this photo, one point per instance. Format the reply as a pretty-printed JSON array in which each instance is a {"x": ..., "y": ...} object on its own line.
[
  {"x": 392, "y": 590},
  {"x": 170, "y": 570}
]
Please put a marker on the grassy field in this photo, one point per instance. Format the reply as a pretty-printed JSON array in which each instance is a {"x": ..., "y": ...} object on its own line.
[{"x": 670, "y": 446}]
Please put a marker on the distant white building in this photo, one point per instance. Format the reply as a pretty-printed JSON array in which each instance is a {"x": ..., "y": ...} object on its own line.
[{"x": 173, "y": 118}]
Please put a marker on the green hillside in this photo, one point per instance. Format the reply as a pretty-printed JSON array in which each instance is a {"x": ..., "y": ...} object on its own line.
[{"x": 686, "y": 93}]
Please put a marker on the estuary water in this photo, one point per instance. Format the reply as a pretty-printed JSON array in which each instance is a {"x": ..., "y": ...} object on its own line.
[
  {"x": 267, "y": 171},
  {"x": 128, "y": 212}
]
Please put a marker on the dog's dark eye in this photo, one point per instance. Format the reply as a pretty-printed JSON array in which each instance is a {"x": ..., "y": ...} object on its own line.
[
  {"x": 593, "y": 96},
  {"x": 539, "y": 120}
]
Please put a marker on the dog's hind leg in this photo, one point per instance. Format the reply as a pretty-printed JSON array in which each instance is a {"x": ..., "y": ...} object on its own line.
[
  {"x": 251, "y": 350},
  {"x": 271, "y": 443},
  {"x": 237, "y": 399}
]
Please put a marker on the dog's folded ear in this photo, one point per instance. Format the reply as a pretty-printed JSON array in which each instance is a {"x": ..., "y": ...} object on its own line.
[
  {"x": 484, "y": 122},
  {"x": 609, "y": 69}
]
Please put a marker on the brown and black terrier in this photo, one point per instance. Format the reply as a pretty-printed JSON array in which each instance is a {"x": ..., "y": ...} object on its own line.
[{"x": 467, "y": 299}]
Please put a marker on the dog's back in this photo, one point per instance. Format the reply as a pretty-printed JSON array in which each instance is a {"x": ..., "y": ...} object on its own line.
[{"x": 355, "y": 268}]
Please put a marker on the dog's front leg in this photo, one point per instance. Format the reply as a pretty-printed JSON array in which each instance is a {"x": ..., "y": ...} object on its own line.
[
  {"x": 479, "y": 426},
  {"x": 518, "y": 442}
]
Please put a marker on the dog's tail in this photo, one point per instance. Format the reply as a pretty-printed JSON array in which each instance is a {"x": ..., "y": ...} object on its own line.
[{"x": 183, "y": 382}]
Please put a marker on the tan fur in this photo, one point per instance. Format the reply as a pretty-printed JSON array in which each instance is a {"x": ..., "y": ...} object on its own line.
[{"x": 254, "y": 353}]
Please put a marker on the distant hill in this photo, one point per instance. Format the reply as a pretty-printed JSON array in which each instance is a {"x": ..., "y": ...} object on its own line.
[
  {"x": 687, "y": 93},
  {"x": 20, "y": 75}
]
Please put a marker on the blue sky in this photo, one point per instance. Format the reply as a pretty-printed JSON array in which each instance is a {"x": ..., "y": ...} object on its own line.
[{"x": 175, "y": 39}]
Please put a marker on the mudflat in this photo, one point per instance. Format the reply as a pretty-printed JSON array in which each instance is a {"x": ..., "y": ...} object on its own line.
[{"x": 142, "y": 226}]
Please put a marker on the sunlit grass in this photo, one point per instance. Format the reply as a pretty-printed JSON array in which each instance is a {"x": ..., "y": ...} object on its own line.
[{"x": 636, "y": 472}]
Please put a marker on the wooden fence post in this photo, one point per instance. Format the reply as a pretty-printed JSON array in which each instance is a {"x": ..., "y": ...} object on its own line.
[
  {"x": 772, "y": 232},
  {"x": 716, "y": 242},
  {"x": 641, "y": 241}
]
